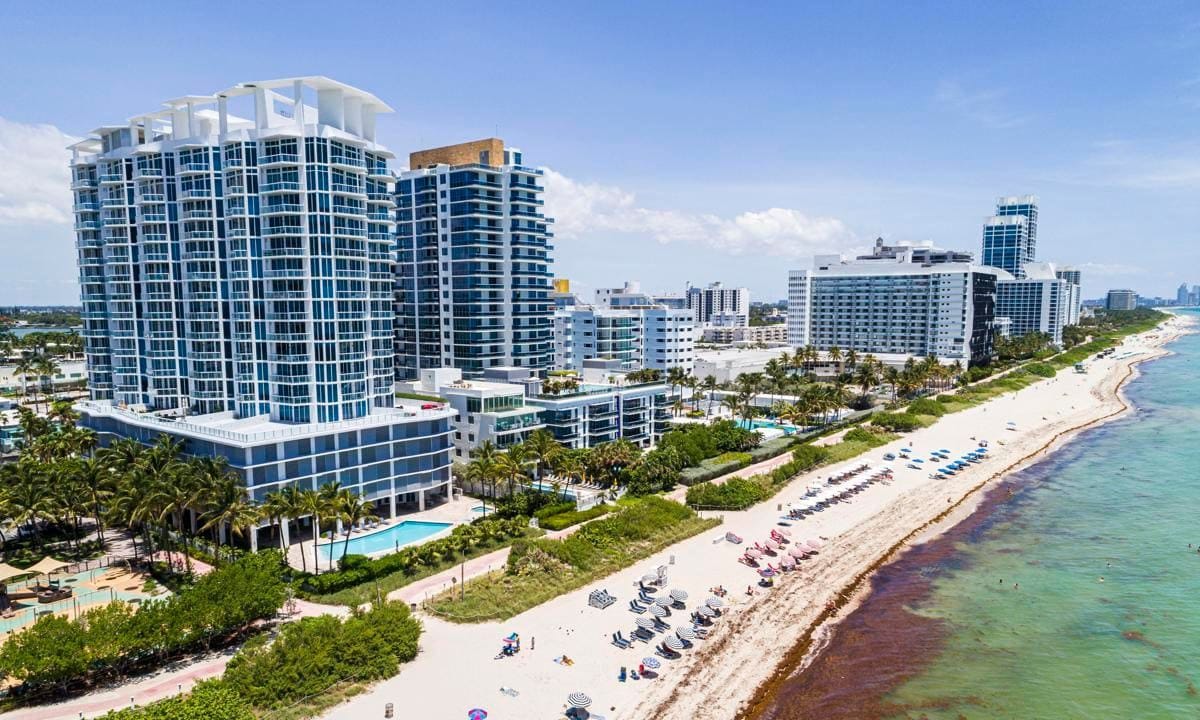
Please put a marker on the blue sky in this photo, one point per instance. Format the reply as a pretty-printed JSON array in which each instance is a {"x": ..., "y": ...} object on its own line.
[{"x": 684, "y": 141}]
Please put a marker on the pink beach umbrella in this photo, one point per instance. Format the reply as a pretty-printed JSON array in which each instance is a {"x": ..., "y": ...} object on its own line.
[
  {"x": 784, "y": 532},
  {"x": 814, "y": 544},
  {"x": 754, "y": 553},
  {"x": 772, "y": 543},
  {"x": 798, "y": 551}
]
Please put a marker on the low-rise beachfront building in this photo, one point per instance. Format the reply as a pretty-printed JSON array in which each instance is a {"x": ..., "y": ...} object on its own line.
[
  {"x": 487, "y": 410},
  {"x": 908, "y": 300},
  {"x": 726, "y": 365},
  {"x": 1121, "y": 300},
  {"x": 397, "y": 457},
  {"x": 746, "y": 334},
  {"x": 594, "y": 413}
]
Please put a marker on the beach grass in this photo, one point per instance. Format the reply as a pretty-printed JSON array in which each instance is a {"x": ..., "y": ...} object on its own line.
[{"x": 542, "y": 570}]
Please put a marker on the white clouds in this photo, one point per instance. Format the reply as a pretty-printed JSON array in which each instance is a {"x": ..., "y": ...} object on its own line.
[
  {"x": 1123, "y": 163},
  {"x": 991, "y": 107},
  {"x": 581, "y": 208},
  {"x": 34, "y": 176}
]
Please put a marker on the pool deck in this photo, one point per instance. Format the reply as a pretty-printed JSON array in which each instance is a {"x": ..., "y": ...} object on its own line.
[{"x": 455, "y": 512}]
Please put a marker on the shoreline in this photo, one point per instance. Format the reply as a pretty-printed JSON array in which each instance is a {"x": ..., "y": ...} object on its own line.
[
  {"x": 820, "y": 633},
  {"x": 762, "y": 635},
  {"x": 693, "y": 699}
]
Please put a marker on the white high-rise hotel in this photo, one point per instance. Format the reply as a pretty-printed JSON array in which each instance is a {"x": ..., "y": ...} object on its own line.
[{"x": 238, "y": 270}]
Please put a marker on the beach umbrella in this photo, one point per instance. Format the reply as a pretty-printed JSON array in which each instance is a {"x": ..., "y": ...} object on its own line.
[
  {"x": 787, "y": 563},
  {"x": 644, "y": 623},
  {"x": 649, "y": 579},
  {"x": 772, "y": 543},
  {"x": 715, "y": 602},
  {"x": 706, "y": 611},
  {"x": 798, "y": 551},
  {"x": 673, "y": 642},
  {"x": 662, "y": 601},
  {"x": 686, "y": 633},
  {"x": 784, "y": 532},
  {"x": 651, "y": 662},
  {"x": 767, "y": 572},
  {"x": 578, "y": 700},
  {"x": 679, "y": 595},
  {"x": 814, "y": 543},
  {"x": 658, "y": 611},
  {"x": 754, "y": 552},
  {"x": 477, "y": 714},
  {"x": 918, "y": 460},
  {"x": 905, "y": 449}
]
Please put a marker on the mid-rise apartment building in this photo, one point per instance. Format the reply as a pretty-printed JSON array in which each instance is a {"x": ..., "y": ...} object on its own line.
[
  {"x": 716, "y": 299},
  {"x": 650, "y": 337},
  {"x": 237, "y": 280},
  {"x": 1039, "y": 301},
  {"x": 473, "y": 272},
  {"x": 593, "y": 413},
  {"x": 892, "y": 305},
  {"x": 1073, "y": 276},
  {"x": 1121, "y": 300}
]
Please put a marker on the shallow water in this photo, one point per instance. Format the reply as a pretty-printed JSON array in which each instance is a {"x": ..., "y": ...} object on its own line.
[{"x": 1070, "y": 593}]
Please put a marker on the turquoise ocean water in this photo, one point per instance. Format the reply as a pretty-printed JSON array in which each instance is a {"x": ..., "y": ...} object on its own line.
[{"x": 1071, "y": 593}]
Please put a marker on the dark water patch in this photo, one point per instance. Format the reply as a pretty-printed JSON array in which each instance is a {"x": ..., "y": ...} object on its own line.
[{"x": 884, "y": 642}]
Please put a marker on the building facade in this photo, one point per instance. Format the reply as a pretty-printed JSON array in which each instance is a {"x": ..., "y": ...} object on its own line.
[
  {"x": 655, "y": 338},
  {"x": 237, "y": 282},
  {"x": 894, "y": 306},
  {"x": 595, "y": 414},
  {"x": 1075, "y": 278},
  {"x": 1010, "y": 235},
  {"x": 1037, "y": 302},
  {"x": 1121, "y": 300},
  {"x": 716, "y": 299},
  {"x": 750, "y": 334},
  {"x": 473, "y": 272},
  {"x": 487, "y": 410}
]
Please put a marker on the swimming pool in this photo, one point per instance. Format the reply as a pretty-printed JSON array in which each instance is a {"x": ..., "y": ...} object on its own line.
[
  {"x": 765, "y": 424},
  {"x": 391, "y": 538},
  {"x": 549, "y": 488}
]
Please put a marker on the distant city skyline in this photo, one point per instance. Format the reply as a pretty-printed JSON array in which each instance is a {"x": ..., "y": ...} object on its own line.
[{"x": 768, "y": 135}]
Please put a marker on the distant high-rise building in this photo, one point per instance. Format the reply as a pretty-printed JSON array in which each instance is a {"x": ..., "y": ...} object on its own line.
[
  {"x": 1183, "y": 296},
  {"x": 624, "y": 325},
  {"x": 1121, "y": 300},
  {"x": 473, "y": 274},
  {"x": 895, "y": 305},
  {"x": 1075, "y": 278},
  {"x": 237, "y": 284},
  {"x": 716, "y": 299},
  {"x": 1010, "y": 235}
]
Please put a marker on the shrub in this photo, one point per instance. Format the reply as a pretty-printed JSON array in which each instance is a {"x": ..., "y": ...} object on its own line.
[
  {"x": 1041, "y": 369},
  {"x": 771, "y": 448},
  {"x": 108, "y": 640},
  {"x": 860, "y": 434},
  {"x": 808, "y": 457},
  {"x": 209, "y": 700},
  {"x": 926, "y": 406},
  {"x": 897, "y": 422},
  {"x": 313, "y": 654},
  {"x": 946, "y": 399},
  {"x": 572, "y": 517},
  {"x": 555, "y": 509}
]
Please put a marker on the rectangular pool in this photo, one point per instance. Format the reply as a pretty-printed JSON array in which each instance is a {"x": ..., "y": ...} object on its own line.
[{"x": 390, "y": 538}]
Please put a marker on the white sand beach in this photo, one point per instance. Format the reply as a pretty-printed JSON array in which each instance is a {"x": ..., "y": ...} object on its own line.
[{"x": 456, "y": 670}]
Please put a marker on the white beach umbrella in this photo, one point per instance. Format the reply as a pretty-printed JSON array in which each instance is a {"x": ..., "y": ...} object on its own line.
[
  {"x": 706, "y": 611},
  {"x": 679, "y": 595},
  {"x": 658, "y": 611},
  {"x": 578, "y": 700},
  {"x": 714, "y": 602},
  {"x": 673, "y": 642},
  {"x": 644, "y": 623},
  {"x": 663, "y": 601},
  {"x": 686, "y": 633}
]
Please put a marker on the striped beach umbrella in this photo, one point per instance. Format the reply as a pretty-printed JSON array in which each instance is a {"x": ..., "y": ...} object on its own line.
[
  {"x": 662, "y": 601},
  {"x": 658, "y": 611},
  {"x": 679, "y": 595},
  {"x": 651, "y": 662},
  {"x": 578, "y": 700},
  {"x": 706, "y": 611},
  {"x": 673, "y": 642},
  {"x": 714, "y": 602},
  {"x": 644, "y": 623},
  {"x": 685, "y": 632}
]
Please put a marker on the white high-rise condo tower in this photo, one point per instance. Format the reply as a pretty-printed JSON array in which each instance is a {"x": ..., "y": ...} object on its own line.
[{"x": 238, "y": 269}]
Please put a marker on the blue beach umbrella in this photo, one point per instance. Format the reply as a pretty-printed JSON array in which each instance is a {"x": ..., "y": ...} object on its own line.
[
  {"x": 918, "y": 460},
  {"x": 477, "y": 714}
]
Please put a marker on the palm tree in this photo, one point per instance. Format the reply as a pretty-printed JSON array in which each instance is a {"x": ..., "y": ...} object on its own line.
[
  {"x": 275, "y": 508},
  {"x": 483, "y": 466},
  {"x": 28, "y": 497},
  {"x": 676, "y": 376},
  {"x": 99, "y": 479},
  {"x": 311, "y": 503},
  {"x": 851, "y": 358},
  {"x": 352, "y": 509},
  {"x": 835, "y": 356},
  {"x": 293, "y": 507},
  {"x": 543, "y": 450},
  {"x": 709, "y": 384},
  {"x": 46, "y": 368},
  {"x": 509, "y": 468},
  {"x": 24, "y": 367}
]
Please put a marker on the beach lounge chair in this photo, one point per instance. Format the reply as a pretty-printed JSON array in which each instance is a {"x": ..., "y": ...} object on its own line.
[
  {"x": 635, "y": 607},
  {"x": 641, "y": 634},
  {"x": 616, "y": 640},
  {"x": 600, "y": 599}
]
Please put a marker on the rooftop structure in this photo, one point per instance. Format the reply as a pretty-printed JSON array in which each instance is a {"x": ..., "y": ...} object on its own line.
[{"x": 1010, "y": 235}]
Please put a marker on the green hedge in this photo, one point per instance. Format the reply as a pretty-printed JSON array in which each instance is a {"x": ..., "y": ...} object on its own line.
[
  {"x": 210, "y": 700},
  {"x": 357, "y": 570},
  {"x": 897, "y": 422},
  {"x": 424, "y": 398},
  {"x": 555, "y": 509},
  {"x": 115, "y": 639},
  {"x": 1041, "y": 369},
  {"x": 573, "y": 517},
  {"x": 926, "y": 406},
  {"x": 311, "y": 655}
]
